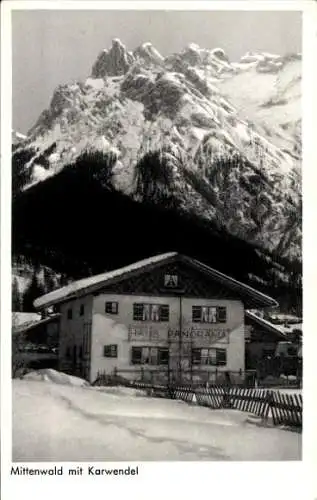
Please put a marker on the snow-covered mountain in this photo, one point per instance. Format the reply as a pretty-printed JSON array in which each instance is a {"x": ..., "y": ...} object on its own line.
[
  {"x": 17, "y": 137},
  {"x": 226, "y": 134}
]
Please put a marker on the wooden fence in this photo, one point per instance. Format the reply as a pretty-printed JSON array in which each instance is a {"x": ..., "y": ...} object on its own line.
[
  {"x": 279, "y": 408},
  {"x": 286, "y": 409}
]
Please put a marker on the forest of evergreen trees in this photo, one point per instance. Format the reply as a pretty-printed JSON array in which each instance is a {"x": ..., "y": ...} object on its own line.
[
  {"x": 78, "y": 225},
  {"x": 22, "y": 300}
]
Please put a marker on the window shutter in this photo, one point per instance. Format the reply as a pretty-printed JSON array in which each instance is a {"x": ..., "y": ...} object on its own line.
[
  {"x": 163, "y": 356},
  {"x": 136, "y": 355},
  {"x": 196, "y": 356},
  {"x": 222, "y": 314},
  {"x": 196, "y": 314},
  {"x": 164, "y": 313},
  {"x": 137, "y": 312},
  {"x": 221, "y": 357}
]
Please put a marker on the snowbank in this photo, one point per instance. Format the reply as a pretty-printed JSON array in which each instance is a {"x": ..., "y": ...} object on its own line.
[
  {"x": 55, "y": 377},
  {"x": 122, "y": 391}
]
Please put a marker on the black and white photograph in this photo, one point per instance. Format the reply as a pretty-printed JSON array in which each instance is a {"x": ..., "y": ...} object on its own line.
[{"x": 156, "y": 248}]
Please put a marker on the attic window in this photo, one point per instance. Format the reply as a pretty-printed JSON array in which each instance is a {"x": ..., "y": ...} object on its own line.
[
  {"x": 69, "y": 313},
  {"x": 170, "y": 280},
  {"x": 82, "y": 310}
]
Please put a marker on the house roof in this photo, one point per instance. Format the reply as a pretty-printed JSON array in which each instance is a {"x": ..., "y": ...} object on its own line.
[
  {"x": 24, "y": 327},
  {"x": 21, "y": 319},
  {"x": 265, "y": 324},
  {"x": 95, "y": 283}
]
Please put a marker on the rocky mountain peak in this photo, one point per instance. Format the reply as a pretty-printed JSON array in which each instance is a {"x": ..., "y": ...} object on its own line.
[
  {"x": 148, "y": 53},
  {"x": 113, "y": 62}
]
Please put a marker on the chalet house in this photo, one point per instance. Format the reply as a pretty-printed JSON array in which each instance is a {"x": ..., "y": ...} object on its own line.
[
  {"x": 35, "y": 340},
  {"x": 262, "y": 339},
  {"x": 167, "y": 315},
  {"x": 37, "y": 329},
  {"x": 269, "y": 349}
]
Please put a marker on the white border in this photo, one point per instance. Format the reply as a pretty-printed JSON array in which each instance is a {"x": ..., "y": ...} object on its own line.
[
  {"x": 235, "y": 5},
  {"x": 289, "y": 480}
]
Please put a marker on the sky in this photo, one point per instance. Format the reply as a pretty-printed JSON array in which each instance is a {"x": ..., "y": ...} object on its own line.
[{"x": 56, "y": 47}]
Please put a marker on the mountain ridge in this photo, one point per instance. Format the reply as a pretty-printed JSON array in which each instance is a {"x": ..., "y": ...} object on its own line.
[{"x": 222, "y": 139}]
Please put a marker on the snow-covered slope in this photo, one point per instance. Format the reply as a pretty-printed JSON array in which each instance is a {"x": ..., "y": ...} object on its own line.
[
  {"x": 103, "y": 425},
  {"x": 228, "y": 135}
]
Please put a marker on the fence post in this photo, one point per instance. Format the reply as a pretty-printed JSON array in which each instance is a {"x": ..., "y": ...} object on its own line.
[
  {"x": 269, "y": 407},
  {"x": 115, "y": 375},
  {"x": 226, "y": 397}
]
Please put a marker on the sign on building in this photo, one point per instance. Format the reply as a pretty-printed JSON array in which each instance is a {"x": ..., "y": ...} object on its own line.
[
  {"x": 211, "y": 335},
  {"x": 150, "y": 333}
]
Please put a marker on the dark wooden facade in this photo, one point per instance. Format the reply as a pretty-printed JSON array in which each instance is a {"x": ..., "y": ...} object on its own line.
[{"x": 191, "y": 283}]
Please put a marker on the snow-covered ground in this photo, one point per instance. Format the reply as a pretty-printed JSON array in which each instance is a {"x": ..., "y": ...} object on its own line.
[
  {"x": 56, "y": 422},
  {"x": 287, "y": 390}
]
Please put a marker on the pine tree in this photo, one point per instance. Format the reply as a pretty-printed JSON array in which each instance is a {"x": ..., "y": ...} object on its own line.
[
  {"x": 33, "y": 291},
  {"x": 49, "y": 283},
  {"x": 16, "y": 296},
  {"x": 63, "y": 280}
]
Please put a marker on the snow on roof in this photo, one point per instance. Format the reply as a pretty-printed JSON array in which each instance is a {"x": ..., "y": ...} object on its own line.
[
  {"x": 286, "y": 329},
  {"x": 266, "y": 324},
  {"x": 24, "y": 318},
  {"x": 285, "y": 318},
  {"x": 28, "y": 325},
  {"x": 93, "y": 283},
  {"x": 86, "y": 283}
]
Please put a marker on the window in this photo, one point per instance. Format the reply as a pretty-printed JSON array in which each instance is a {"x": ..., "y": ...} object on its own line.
[
  {"x": 150, "y": 312},
  {"x": 268, "y": 352},
  {"x": 69, "y": 313},
  {"x": 111, "y": 307},
  {"x": 82, "y": 310},
  {"x": 292, "y": 351},
  {"x": 209, "y": 356},
  {"x": 67, "y": 353},
  {"x": 209, "y": 314},
  {"x": 110, "y": 351},
  {"x": 171, "y": 280},
  {"x": 149, "y": 355}
]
